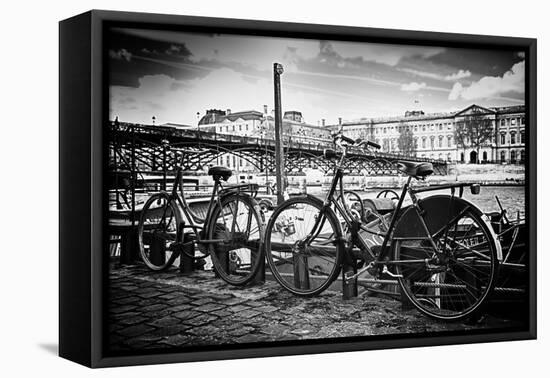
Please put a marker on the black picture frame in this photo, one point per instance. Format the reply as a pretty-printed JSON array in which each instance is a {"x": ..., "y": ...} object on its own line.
[{"x": 82, "y": 206}]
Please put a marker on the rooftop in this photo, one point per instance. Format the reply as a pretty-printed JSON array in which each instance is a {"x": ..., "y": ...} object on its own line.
[{"x": 419, "y": 115}]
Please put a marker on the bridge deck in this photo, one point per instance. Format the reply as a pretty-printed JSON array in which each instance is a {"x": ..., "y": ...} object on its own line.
[{"x": 153, "y": 142}]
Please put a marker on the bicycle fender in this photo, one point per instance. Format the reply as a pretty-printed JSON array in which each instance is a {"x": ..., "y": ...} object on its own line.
[{"x": 437, "y": 210}]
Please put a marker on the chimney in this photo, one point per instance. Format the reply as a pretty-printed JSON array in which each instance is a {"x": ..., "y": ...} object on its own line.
[
  {"x": 340, "y": 120},
  {"x": 228, "y": 111},
  {"x": 265, "y": 109},
  {"x": 323, "y": 122}
]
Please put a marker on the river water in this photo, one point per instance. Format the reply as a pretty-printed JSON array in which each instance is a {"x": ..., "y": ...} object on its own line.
[{"x": 512, "y": 198}]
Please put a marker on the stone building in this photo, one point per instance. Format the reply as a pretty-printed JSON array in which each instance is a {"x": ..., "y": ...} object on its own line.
[
  {"x": 252, "y": 123},
  {"x": 434, "y": 134}
]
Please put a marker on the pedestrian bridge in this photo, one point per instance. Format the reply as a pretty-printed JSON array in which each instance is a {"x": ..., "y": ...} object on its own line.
[{"x": 156, "y": 149}]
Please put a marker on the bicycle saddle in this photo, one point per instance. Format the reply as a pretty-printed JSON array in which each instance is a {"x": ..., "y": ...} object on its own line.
[
  {"x": 220, "y": 172},
  {"x": 415, "y": 169}
]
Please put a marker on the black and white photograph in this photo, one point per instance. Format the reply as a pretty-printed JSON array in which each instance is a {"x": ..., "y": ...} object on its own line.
[{"x": 265, "y": 190}]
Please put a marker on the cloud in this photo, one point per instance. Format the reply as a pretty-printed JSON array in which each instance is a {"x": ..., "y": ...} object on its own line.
[
  {"x": 461, "y": 74},
  {"x": 172, "y": 100},
  {"x": 413, "y": 87},
  {"x": 173, "y": 50},
  {"x": 382, "y": 53},
  {"x": 257, "y": 52},
  {"x": 120, "y": 54},
  {"x": 492, "y": 86}
]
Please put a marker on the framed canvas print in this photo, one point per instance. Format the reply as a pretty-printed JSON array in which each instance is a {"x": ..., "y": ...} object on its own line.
[{"x": 234, "y": 188}]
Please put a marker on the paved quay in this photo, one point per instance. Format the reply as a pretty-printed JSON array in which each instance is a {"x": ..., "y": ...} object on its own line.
[{"x": 152, "y": 310}]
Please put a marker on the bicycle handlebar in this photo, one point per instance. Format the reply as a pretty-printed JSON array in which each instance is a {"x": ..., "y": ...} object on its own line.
[
  {"x": 373, "y": 144},
  {"x": 347, "y": 139},
  {"x": 357, "y": 142}
]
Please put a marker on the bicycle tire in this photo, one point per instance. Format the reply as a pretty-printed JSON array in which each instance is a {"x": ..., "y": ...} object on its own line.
[
  {"x": 160, "y": 237},
  {"x": 230, "y": 257},
  {"x": 457, "y": 285},
  {"x": 295, "y": 275}
]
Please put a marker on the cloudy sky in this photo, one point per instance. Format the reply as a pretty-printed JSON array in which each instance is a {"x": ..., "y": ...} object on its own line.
[{"x": 174, "y": 75}]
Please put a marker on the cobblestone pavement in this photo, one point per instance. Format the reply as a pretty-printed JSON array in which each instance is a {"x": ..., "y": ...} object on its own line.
[{"x": 151, "y": 310}]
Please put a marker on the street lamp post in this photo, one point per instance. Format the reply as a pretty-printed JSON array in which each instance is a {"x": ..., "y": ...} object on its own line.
[
  {"x": 279, "y": 153},
  {"x": 198, "y": 125},
  {"x": 266, "y": 165}
]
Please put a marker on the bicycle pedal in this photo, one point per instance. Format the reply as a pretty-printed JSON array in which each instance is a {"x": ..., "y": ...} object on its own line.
[
  {"x": 348, "y": 276},
  {"x": 393, "y": 275}
]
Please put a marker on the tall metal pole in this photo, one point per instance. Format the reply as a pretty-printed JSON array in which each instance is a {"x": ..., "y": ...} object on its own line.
[{"x": 279, "y": 154}]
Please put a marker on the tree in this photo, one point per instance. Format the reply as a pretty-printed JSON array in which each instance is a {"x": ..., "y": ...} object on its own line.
[
  {"x": 406, "y": 142},
  {"x": 474, "y": 131}
]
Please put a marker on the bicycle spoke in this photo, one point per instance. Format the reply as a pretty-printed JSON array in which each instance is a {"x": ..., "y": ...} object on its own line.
[{"x": 456, "y": 279}]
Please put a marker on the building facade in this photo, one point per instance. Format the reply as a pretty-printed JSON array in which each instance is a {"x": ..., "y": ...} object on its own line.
[
  {"x": 252, "y": 123},
  {"x": 434, "y": 135}
]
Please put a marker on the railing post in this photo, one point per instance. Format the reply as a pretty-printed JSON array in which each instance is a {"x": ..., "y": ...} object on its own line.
[
  {"x": 301, "y": 271},
  {"x": 158, "y": 250},
  {"x": 259, "y": 277},
  {"x": 129, "y": 246},
  {"x": 188, "y": 250},
  {"x": 349, "y": 288}
]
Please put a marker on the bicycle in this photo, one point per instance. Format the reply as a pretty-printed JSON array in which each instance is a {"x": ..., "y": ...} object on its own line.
[
  {"x": 231, "y": 232},
  {"x": 440, "y": 249}
]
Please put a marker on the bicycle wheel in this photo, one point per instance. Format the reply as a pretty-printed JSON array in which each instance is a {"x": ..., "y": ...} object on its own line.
[
  {"x": 237, "y": 227},
  {"x": 302, "y": 268},
  {"x": 451, "y": 278},
  {"x": 157, "y": 231}
]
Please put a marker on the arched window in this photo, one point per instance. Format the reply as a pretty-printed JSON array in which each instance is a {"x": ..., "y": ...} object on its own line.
[
  {"x": 449, "y": 140},
  {"x": 522, "y": 156},
  {"x": 440, "y": 141},
  {"x": 503, "y": 138},
  {"x": 423, "y": 142},
  {"x": 484, "y": 155},
  {"x": 432, "y": 142},
  {"x": 502, "y": 156},
  {"x": 512, "y": 137},
  {"x": 522, "y": 136},
  {"x": 512, "y": 156}
]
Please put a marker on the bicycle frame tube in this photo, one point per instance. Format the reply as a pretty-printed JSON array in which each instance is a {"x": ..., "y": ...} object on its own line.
[
  {"x": 320, "y": 221},
  {"x": 384, "y": 251},
  {"x": 186, "y": 209},
  {"x": 382, "y": 257}
]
